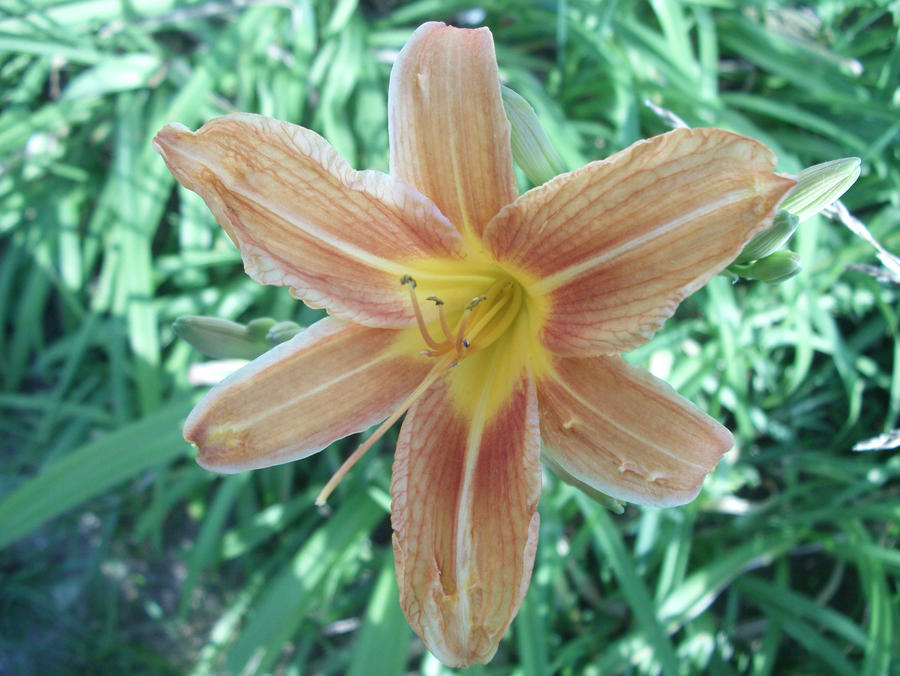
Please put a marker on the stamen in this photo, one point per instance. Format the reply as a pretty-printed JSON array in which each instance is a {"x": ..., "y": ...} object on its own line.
[
  {"x": 448, "y": 334},
  {"x": 480, "y": 324},
  {"x": 461, "y": 330},
  {"x": 497, "y": 305},
  {"x": 420, "y": 320},
  {"x": 492, "y": 323},
  {"x": 436, "y": 371}
]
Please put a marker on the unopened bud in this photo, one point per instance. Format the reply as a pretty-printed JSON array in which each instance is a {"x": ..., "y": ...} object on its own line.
[
  {"x": 219, "y": 338},
  {"x": 258, "y": 329},
  {"x": 773, "y": 269},
  {"x": 531, "y": 148},
  {"x": 820, "y": 186},
  {"x": 769, "y": 241},
  {"x": 282, "y": 332}
]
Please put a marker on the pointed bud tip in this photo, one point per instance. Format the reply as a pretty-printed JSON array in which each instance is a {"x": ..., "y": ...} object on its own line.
[{"x": 821, "y": 185}]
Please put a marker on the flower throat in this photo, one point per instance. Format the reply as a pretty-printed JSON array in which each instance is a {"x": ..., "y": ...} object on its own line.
[{"x": 483, "y": 320}]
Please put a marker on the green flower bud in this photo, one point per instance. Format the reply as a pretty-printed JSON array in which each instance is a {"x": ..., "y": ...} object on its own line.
[
  {"x": 258, "y": 329},
  {"x": 219, "y": 338},
  {"x": 821, "y": 185},
  {"x": 531, "y": 149},
  {"x": 773, "y": 269},
  {"x": 282, "y": 331},
  {"x": 768, "y": 241}
]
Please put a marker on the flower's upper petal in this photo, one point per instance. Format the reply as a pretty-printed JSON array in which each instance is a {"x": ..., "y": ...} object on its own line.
[
  {"x": 331, "y": 380},
  {"x": 465, "y": 488},
  {"x": 449, "y": 135},
  {"x": 302, "y": 218},
  {"x": 610, "y": 250},
  {"x": 624, "y": 432}
]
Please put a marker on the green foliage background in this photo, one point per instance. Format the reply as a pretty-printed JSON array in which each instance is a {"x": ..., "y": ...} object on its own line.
[{"x": 120, "y": 555}]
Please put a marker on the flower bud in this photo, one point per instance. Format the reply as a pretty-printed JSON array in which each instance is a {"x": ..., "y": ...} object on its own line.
[
  {"x": 219, "y": 338},
  {"x": 282, "y": 331},
  {"x": 821, "y": 185},
  {"x": 773, "y": 269},
  {"x": 769, "y": 241},
  {"x": 531, "y": 148},
  {"x": 258, "y": 329}
]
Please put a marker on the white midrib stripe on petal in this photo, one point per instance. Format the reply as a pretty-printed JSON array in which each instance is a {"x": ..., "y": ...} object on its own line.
[
  {"x": 551, "y": 282},
  {"x": 313, "y": 392},
  {"x": 352, "y": 251},
  {"x": 463, "y": 524},
  {"x": 347, "y": 249},
  {"x": 627, "y": 431}
]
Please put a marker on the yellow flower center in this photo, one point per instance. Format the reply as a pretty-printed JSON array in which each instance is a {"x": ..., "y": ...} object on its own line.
[{"x": 483, "y": 320}]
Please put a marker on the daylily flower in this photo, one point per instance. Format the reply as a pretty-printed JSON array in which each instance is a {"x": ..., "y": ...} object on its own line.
[{"x": 493, "y": 320}]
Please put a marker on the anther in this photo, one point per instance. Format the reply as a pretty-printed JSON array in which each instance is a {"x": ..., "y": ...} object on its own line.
[
  {"x": 505, "y": 300},
  {"x": 475, "y": 301}
]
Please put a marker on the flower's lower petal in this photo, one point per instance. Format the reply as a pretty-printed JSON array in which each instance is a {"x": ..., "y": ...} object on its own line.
[
  {"x": 331, "y": 380},
  {"x": 465, "y": 489},
  {"x": 302, "y": 218},
  {"x": 448, "y": 131},
  {"x": 608, "y": 251},
  {"x": 625, "y": 433}
]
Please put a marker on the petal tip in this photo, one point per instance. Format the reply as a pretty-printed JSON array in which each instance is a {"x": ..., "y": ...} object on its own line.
[
  {"x": 217, "y": 451},
  {"x": 221, "y": 448},
  {"x": 169, "y": 134}
]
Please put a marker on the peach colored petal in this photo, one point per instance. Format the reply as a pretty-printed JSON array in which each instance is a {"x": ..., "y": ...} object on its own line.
[
  {"x": 610, "y": 250},
  {"x": 624, "y": 432},
  {"x": 303, "y": 218},
  {"x": 465, "y": 490},
  {"x": 331, "y": 380},
  {"x": 449, "y": 135}
]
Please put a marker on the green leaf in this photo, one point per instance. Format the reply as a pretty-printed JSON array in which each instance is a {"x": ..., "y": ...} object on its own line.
[
  {"x": 293, "y": 592},
  {"x": 93, "y": 469},
  {"x": 646, "y": 616},
  {"x": 384, "y": 631}
]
